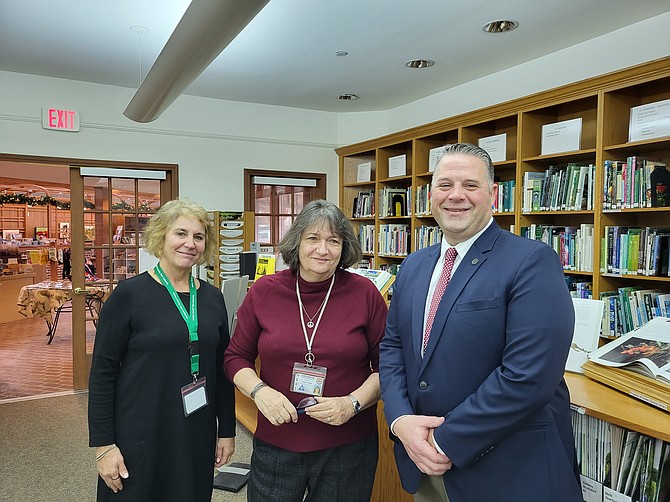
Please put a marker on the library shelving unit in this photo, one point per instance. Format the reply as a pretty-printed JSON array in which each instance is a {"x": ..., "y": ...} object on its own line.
[
  {"x": 604, "y": 106},
  {"x": 234, "y": 230}
]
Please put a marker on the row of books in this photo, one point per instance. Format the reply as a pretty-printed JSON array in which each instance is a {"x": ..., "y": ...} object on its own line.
[
  {"x": 629, "y": 184},
  {"x": 579, "y": 288},
  {"x": 425, "y": 236},
  {"x": 394, "y": 239},
  {"x": 423, "y": 193},
  {"x": 574, "y": 245},
  {"x": 631, "y": 307},
  {"x": 618, "y": 464},
  {"x": 366, "y": 238},
  {"x": 364, "y": 205},
  {"x": 395, "y": 202},
  {"x": 635, "y": 251},
  {"x": 568, "y": 188},
  {"x": 504, "y": 203}
]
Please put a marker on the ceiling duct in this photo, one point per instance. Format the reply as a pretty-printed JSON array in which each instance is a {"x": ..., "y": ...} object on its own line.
[{"x": 206, "y": 28}]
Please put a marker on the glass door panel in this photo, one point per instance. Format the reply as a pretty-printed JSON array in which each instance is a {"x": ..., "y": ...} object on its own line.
[{"x": 112, "y": 212}]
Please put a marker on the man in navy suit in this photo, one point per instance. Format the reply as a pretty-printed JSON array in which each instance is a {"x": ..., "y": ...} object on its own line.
[{"x": 478, "y": 407}]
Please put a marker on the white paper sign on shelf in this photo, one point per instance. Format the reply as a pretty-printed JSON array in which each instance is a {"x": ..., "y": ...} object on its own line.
[
  {"x": 434, "y": 156},
  {"x": 592, "y": 491},
  {"x": 397, "y": 166},
  {"x": 495, "y": 146},
  {"x": 649, "y": 121},
  {"x": 588, "y": 317},
  {"x": 364, "y": 172},
  {"x": 562, "y": 136},
  {"x": 610, "y": 495}
]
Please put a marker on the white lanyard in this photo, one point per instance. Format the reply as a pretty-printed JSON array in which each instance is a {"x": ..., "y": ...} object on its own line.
[{"x": 309, "y": 357}]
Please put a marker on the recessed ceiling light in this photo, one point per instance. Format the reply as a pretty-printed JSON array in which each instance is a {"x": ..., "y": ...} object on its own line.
[
  {"x": 500, "y": 26},
  {"x": 419, "y": 63},
  {"x": 341, "y": 53},
  {"x": 347, "y": 97}
]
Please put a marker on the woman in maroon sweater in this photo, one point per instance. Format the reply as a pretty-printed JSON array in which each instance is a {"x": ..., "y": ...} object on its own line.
[{"x": 316, "y": 329}]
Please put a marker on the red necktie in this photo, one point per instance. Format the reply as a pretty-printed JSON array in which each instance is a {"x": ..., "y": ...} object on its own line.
[{"x": 449, "y": 258}]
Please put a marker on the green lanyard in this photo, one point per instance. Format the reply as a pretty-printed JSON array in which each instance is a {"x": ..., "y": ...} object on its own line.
[{"x": 190, "y": 320}]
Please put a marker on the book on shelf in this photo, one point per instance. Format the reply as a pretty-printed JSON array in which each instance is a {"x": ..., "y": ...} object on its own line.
[
  {"x": 659, "y": 180},
  {"x": 265, "y": 265},
  {"x": 380, "y": 278}
]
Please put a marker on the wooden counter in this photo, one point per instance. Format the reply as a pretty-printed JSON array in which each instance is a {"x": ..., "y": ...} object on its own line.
[
  {"x": 600, "y": 401},
  {"x": 10, "y": 285}
]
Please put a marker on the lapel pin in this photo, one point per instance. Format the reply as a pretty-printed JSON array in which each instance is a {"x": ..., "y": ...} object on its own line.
[{"x": 475, "y": 261}]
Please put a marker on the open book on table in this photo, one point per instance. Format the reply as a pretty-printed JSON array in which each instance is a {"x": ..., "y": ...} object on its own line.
[
  {"x": 645, "y": 350},
  {"x": 381, "y": 278}
]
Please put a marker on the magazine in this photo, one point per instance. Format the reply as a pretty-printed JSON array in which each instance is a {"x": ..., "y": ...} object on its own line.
[
  {"x": 645, "y": 350},
  {"x": 381, "y": 278}
]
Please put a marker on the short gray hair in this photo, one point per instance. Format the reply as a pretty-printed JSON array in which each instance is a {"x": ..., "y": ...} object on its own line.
[
  {"x": 468, "y": 149},
  {"x": 329, "y": 215}
]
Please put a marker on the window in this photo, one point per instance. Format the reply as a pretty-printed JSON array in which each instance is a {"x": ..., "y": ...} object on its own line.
[{"x": 276, "y": 198}]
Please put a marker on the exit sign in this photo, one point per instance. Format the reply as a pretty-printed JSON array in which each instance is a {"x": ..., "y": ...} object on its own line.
[{"x": 60, "y": 120}]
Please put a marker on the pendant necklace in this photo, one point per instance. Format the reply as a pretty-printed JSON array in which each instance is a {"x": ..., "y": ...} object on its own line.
[{"x": 310, "y": 319}]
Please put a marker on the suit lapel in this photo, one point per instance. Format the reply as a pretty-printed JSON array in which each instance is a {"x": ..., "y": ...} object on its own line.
[{"x": 469, "y": 265}]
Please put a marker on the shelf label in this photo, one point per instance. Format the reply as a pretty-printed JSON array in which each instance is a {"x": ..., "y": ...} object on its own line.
[
  {"x": 364, "y": 172},
  {"x": 562, "y": 136},
  {"x": 397, "y": 166},
  {"x": 649, "y": 121},
  {"x": 434, "y": 155},
  {"x": 495, "y": 146}
]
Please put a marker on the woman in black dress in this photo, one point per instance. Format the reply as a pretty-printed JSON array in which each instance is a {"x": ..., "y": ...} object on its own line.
[{"x": 161, "y": 412}]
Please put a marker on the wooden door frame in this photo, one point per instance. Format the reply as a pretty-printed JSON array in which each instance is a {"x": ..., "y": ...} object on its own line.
[{"x": 80, "y": 360}]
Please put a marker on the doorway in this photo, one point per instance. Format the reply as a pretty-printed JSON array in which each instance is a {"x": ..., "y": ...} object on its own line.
[{"x": 105, "y": 217}]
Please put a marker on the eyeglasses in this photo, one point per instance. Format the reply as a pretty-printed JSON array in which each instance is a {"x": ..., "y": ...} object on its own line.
[{"x": 305, "y": 403}]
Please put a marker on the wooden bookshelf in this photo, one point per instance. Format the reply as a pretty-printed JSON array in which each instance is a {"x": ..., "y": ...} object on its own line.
[
  {"x": 603, "y": 104},
  {"x": 601, "y": 401}
]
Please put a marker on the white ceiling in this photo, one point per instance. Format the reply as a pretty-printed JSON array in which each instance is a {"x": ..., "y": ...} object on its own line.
[{"x": 286, "y": 55}]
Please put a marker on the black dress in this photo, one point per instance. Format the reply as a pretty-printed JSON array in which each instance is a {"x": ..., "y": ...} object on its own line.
[{"x": 140, "y": 363}]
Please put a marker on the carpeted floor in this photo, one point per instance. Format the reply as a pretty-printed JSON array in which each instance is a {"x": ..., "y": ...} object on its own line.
[{"x": 44, "y": 455}]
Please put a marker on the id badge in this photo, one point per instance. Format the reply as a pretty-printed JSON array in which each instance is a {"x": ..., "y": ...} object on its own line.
[
  {"x": 194, "y": 396},
  {"x": 308, "y": 379}
]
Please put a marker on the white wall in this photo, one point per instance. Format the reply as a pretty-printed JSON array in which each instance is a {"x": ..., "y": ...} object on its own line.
[
  {"x": 635, "y": 44},
  {"x": 211, "y": 140}
]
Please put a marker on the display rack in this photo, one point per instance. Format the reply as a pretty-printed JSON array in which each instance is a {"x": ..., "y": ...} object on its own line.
[{"x": 234, "y": 231}]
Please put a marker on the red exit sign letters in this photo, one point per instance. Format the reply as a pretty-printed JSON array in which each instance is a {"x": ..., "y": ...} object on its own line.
[{"x": 60, "y": 120}]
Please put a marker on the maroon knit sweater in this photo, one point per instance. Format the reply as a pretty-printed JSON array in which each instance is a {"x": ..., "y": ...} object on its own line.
[{"x": 346, "y": 343}]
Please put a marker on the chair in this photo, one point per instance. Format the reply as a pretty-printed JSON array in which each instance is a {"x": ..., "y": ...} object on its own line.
[
  {"x": 92, "y": 303},
  {"x": 234, "y": 291}
]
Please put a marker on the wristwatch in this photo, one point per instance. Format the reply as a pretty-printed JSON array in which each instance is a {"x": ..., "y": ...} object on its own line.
[{"x": 357, "y": 405}]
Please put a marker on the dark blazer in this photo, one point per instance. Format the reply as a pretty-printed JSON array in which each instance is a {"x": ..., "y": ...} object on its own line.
[{"x": 493, "y": 368}]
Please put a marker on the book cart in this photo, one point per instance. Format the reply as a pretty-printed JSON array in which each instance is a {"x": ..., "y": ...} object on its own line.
[{"x": 602, "y": 105}]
